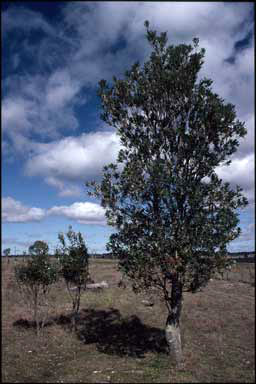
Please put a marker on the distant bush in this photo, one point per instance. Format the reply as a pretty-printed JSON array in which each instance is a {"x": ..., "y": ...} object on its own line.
[{"x": 7, "y": 252}]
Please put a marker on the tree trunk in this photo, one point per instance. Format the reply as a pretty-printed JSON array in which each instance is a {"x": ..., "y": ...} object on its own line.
[
  {"x": 172, "y": 330},
  {"x": 78, "y": 299},
  {"x": 73, "y": 321},
  {"x": 76, "y": 306},
  {"x": 36, "y": 311}
]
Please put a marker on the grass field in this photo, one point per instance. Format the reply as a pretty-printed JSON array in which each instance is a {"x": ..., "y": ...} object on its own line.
[{"x": 120, "y": 340}]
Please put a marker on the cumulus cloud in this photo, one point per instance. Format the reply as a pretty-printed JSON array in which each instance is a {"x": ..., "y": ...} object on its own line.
[
  {"x": 66, "y": 189},
  {"x": 18, "y": 112},
  {"x": 39, "y": 107},
  {"x": 60, "y": 89},
  {"x": 93, "y": 31},
  {"x": 240, "y": 172},
  {"x": 98, "y": 41},
  {"x": 83, "y": 212},
  {"x": 73, "y": 159},
  {"x": 247, "y": 143},
  {"x": 232, "y": 81},
  {"x": 14, "y": 211}
]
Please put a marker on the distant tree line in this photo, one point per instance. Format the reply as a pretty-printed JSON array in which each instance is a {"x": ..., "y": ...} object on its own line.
[{"x": 235, "y": 255}]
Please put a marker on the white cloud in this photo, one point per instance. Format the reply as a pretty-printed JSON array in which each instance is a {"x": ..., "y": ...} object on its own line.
[
  {"x": 39, "y": 106},
  {"x": 248, "y": 233},
  {"x": 90, "y": 34},
  {"x": 246, "y": 241},
  {"x": 90, "y": 30},
  {"x": 66, "y": 189},
  {"x": 240, "y": 172},
  {"x": 235, "y": 84},
  {"x": 247, "y": 144},
  {"x": 83, "y": 212},
  {"x": 60, "y": 90},
  {"x": 14, "y": 211},
  {"x": 73, "y": 159},
  {"x": 18, "y": 112}
]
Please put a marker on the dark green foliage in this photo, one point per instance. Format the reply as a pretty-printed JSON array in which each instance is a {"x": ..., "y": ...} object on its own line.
[
  {"x": 38, "y": 269},
  {"x": 39, "y": 248},
  {"x": 73, "y": 258},
  {"x": 174, "y": 216},
  {"x": 35, "y": 277},
  {"x": 74, "y": 264},
  {"x": 7, "y": 252}
]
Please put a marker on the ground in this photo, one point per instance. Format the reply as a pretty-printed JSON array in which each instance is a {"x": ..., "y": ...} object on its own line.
[{"x": 120, "y": 340}]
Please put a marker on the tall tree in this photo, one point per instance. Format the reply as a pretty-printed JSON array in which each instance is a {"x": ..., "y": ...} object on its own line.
[{"x": 174, "y": 216}]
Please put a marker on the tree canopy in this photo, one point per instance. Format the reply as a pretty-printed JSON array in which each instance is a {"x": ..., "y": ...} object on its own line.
[
  {"x": 7, "y": 251},
  {"x": 163, "y": 195},
  {"x": 73, "y": 257},
  {"x": 38, "y": 248}
]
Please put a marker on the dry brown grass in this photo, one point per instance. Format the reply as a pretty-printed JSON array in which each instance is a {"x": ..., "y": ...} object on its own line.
[
  {"x": 120, "y": 340},
  {"x": 242, "y": 272}
]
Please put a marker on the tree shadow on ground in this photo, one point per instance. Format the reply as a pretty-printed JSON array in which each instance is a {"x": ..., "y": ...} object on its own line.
[
  {"x": 26, "y": 324},
  {"x": 63, "y": 320},
  {"x": 114, "y": 334}
]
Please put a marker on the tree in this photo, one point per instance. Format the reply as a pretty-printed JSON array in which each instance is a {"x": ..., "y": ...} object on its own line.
[
  {"x": 74, "y": 266},
  {"x": 7, "y": 252},
  {"x": 173, "y": 215},
  {"x": 35, "y": 277},
  {"x": 39, "y": 248}
]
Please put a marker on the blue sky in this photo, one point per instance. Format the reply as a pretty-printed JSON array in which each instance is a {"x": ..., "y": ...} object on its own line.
[{"x": 53, "y": 141}]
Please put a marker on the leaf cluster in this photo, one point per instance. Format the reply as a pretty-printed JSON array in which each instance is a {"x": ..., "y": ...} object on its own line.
[
  {"x": 38, "y": 270},
  {"x": 7, "y": 251},
  {"x": 73, "y": 258}
]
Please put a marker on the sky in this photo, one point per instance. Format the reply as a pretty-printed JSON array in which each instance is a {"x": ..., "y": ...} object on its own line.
[{"x": 53, "y": 140}]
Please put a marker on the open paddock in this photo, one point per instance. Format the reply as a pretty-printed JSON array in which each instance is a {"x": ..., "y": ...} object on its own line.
[{"x": 120, "y": 340}]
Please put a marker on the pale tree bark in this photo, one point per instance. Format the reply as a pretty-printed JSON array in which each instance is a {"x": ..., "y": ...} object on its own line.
[
  {"x": 46, "y": 305},
  {"x": 76, "y": 306},
  {"x": 36, "y": 317},
  {"x": 172, "y": 330}
]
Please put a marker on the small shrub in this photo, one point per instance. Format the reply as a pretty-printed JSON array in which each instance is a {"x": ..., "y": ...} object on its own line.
[
  {"x": 74, "y": 266},
  {"x": 35, "y": 277}
]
